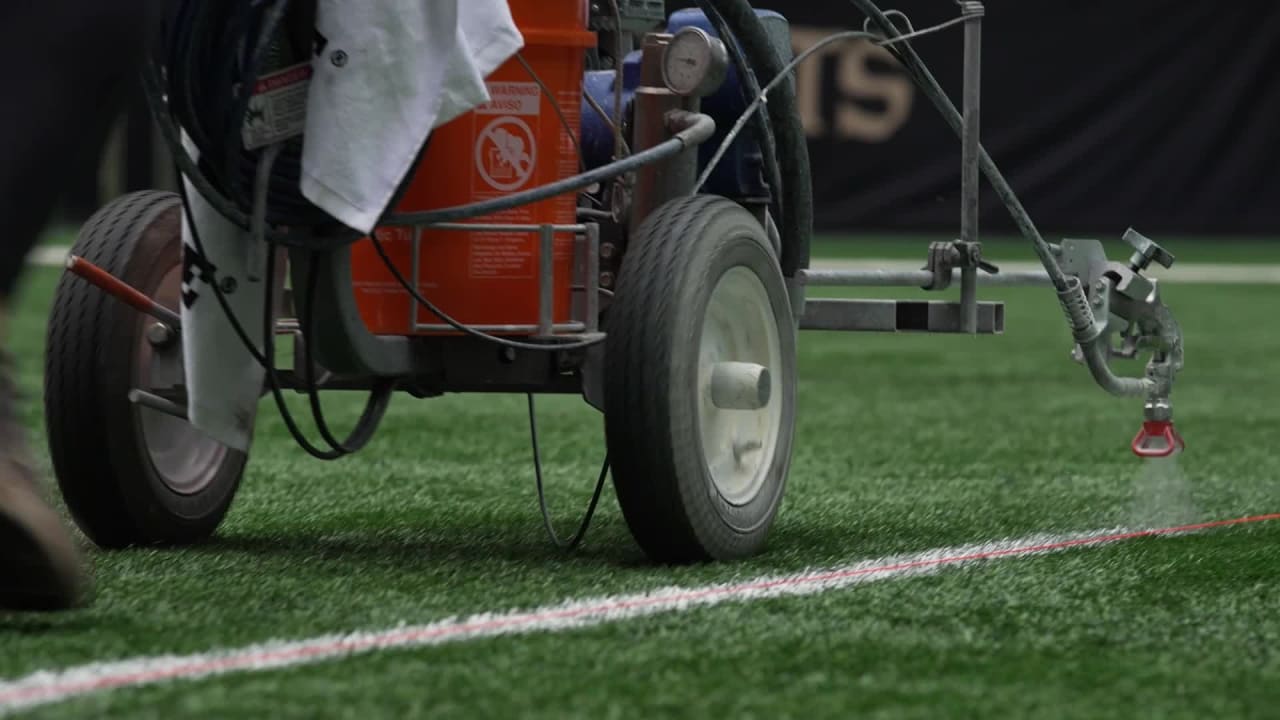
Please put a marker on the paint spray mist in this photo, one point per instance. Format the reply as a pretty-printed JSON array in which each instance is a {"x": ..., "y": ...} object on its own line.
[{"x": 1162, "y": 494}]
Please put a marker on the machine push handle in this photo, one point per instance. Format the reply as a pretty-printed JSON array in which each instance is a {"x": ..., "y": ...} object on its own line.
[{"x": 1157, "y": 430}]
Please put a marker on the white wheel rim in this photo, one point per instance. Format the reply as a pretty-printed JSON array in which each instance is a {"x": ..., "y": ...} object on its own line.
[{"x": 739, "y": 327}]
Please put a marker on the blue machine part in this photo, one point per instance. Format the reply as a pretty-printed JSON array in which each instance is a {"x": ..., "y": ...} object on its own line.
[
  {"x": 597, "y": 137},
  {"x": 741, "y": 171}
]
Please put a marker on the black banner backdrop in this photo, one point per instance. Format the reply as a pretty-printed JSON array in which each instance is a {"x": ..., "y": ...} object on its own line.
[{"x": 1101, "y": 113}]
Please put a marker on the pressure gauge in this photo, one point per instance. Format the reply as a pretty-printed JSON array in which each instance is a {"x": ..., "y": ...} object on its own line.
[{"x": 695, "y": 64}]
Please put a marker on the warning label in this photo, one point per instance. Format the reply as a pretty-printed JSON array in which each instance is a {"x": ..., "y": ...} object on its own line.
[
  {"x": 512, "y": 98},
  {"x": 278, "y": 107},
  {"x": 502, "y": 256},
  {"x": 506, "y": 154}
]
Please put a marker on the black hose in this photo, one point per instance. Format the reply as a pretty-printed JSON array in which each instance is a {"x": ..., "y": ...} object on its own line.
[
  {"x": 796, "y": 227},
  {"x": 762, "y": 129}
]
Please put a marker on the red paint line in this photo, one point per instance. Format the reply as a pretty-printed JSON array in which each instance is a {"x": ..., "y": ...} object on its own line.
[{"x": 409, "y": 636}]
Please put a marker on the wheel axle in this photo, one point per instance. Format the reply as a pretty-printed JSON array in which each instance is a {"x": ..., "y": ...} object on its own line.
[{"x": 740, "y": 386}]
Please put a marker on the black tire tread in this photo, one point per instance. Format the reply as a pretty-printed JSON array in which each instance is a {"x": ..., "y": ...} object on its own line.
[
  {"x": 645, "y": 440},
  {"x": 94, "y": 473}
]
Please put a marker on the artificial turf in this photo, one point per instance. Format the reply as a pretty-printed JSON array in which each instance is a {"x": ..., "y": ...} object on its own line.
[{"x": 904, "y": 443}]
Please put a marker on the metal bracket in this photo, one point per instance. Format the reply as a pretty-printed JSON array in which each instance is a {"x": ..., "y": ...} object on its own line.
[
  {"x": 948, "y": 255},
  {"x": 941, "y": 262}
]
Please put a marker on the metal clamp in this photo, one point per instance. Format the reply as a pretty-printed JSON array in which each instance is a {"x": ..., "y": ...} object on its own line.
[{"x": 946, "y": 256}]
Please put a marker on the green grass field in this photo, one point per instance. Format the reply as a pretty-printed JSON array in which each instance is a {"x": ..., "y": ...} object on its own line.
[{"x": 905, "y": 443}]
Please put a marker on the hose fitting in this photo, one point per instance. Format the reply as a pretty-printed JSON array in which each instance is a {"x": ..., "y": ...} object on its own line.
[{"x": 1079, "y": 314}]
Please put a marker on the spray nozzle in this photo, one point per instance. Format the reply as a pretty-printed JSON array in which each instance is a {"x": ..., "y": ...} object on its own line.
[{"x": 1158, "y": 437}]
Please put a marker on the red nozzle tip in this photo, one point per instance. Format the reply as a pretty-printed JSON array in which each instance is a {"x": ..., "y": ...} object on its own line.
[{"x": 1156, "y": 439}]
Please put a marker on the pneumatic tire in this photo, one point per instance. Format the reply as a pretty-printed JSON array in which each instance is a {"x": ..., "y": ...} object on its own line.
[
  {"x": 130, "y": 475},
  {"x": 700, "y": 292}
]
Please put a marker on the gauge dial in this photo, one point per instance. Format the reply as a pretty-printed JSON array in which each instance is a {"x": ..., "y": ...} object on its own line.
[{"x": 695, "y": 63}]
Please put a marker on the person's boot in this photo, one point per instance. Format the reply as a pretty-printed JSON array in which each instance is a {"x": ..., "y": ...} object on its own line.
[{"x": 40, "y": 566}]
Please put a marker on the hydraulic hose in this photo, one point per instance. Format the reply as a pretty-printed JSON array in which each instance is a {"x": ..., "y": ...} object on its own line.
[
  {"x": 796, "y": 225},
  {"x": 694, "y": 129},
  {"x": 761, "y": 128}
]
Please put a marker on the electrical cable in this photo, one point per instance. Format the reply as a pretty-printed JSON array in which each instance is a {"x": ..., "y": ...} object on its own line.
[
  {"x": 542, "y": 496},
  {"x": 604, "y": 115},
  {"x": 379, "y": 398},
  {"x": 619, "y": 144},
  {"x": 925, "y": 80},
  {"x": 555, "y": 106},
  {"x": 762, "y": 98}
]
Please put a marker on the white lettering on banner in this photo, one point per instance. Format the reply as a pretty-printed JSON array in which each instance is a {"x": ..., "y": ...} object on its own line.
[{"x": 891, "y": 95}]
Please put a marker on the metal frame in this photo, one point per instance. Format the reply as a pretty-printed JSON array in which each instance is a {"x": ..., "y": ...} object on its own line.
[{"x": 586, "y": 267}]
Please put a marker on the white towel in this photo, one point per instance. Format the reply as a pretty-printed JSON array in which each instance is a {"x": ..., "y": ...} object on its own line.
[{"x": 387, "y": 73}]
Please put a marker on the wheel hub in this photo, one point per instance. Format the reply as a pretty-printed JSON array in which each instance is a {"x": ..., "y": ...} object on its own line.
[
  {"x": 740, "y": 416},
  {"x": 185, "y": 459}
]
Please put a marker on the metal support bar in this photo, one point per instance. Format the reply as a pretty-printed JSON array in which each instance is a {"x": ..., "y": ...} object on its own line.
[
  {"x": 930, "y": 316},
  {"x": 415, "y": 278},
  {"x": 546, "y": 280},
  {"x": 504, "y": 227},
  {"x": 593, "y": 278},
  {"x": 912, "y": 278},
  {"x": 157, "y": 403},
  {"x": 970, "y": 177},
  {"x": 556, "y": 329}
]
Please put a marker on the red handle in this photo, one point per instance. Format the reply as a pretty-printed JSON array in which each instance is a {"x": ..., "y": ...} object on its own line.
[{"x": 1152, "y": 429}]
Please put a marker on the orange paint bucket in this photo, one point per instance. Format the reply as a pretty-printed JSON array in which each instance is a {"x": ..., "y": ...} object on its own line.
[{"x": 515, "y": 142}]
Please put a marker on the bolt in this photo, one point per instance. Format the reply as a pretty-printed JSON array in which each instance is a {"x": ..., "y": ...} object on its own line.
[
  {"x": 159, "y": 334},
  {"x": 338, "y": 58},
  {"x": 606, "y": 280},
  {"x": 228, "y": 285},
  {"x": 607, "y": 250},
  {"x": 508, "y": 355}
]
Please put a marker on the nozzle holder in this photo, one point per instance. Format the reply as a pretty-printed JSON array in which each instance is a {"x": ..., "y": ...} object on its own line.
[{"x": 1153, "y": 429}]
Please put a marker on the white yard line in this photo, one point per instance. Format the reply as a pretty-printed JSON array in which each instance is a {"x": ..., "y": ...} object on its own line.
[
  {"x": 56, "y": 685},
  {"x": 1182, "y": 274}
]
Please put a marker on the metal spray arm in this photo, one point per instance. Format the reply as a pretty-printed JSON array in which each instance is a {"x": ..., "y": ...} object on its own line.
[
  {"x": 1103, "y": 298},
  {"x": 1120, "y": 292}
]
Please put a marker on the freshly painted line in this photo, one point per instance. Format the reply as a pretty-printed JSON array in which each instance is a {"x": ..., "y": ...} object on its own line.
[
  {"x": 51, "y": 686},
  {"x": 1183, "y": 274}
]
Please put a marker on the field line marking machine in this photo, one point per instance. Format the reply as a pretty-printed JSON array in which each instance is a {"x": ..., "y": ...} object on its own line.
[{"x": 627, "y": 218}]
